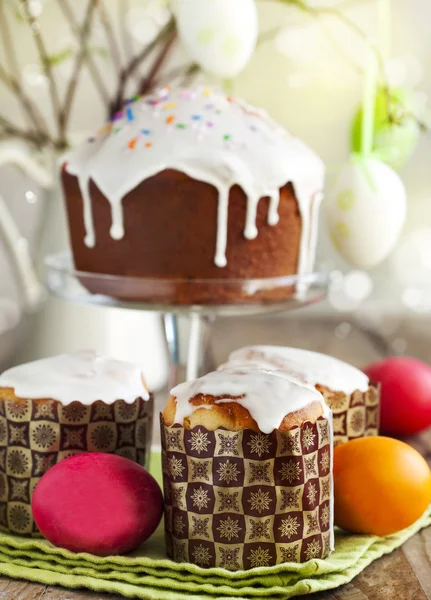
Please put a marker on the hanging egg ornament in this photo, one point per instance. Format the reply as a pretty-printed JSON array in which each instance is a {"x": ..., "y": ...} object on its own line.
[
  {"x": 396, "y": 130},
  {"x": 365, "y": 211},
  {"x": 220, "y": 36}
]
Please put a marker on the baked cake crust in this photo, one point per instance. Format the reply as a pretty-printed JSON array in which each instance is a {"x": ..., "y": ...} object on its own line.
[
  {"x": 233, "y": 416},
  {"x": 160, "y": 247}
]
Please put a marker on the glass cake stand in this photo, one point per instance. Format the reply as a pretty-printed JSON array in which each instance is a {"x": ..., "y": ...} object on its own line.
[{"x": 165, "y": 296}]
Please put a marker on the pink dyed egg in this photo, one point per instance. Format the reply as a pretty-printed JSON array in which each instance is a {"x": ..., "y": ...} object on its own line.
[{"x": 98, "y": 503}]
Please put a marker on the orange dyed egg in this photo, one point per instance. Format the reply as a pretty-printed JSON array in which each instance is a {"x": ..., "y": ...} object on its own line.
[{"x": 381, "y": 485}]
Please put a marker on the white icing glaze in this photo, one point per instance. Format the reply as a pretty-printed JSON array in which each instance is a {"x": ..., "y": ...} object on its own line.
[
  {"x": 82, "y": 376},
  {"x": 210, "y": 138},
  {"x": 268, "y": 395},
  {"x": 311, "y": 367}
]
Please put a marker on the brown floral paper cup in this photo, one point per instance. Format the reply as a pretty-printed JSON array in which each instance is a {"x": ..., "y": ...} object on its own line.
[
  {"x": 355, "y": 415},
  {"x": 245, "y": 499},
  {"x": 37, "y": 434}
]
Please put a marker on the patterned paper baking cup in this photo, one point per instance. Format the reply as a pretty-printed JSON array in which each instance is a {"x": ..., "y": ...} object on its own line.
[
  {"x": 354, "y": 415},
  {"x": 245, "y": 499},
  {"x": 37, "y": 434}
]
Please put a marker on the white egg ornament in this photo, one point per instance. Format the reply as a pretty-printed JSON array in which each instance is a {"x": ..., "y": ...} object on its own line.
[
  {"x": 220, "y": 35},
  {"x": 365, "y": 211}
]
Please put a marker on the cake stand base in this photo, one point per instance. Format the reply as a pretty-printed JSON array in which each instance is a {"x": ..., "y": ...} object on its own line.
[{"x": 65, "y": 282}]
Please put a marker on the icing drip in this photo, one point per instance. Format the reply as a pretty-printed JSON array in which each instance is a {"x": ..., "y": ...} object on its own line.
[
  {"x": 222, "y": 217},
  {"x": 210, "y": 138},
  {"x": 117, "y": 228},
  {"x": 273, "y": 216},
  {"x": 90, "y": 238},
  {"x": 250, "y": 231},
  {"x": 312, "y": 367},
  {"x": 268, "y": 395},
  {"x": 82, "y": 376}
]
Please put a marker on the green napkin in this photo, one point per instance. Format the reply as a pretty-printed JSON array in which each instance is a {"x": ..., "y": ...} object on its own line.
[{"x": 148, "y": 574}]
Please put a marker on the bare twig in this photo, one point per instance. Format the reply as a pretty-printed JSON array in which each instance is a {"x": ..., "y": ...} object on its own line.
[
  {"x": 35, "y": 118},
  {"x": 9, "y": 50},
  {"x": 130, "y": 69},
  {"x": 44, "y": 59},
  {"x": 7, "y": 130},
  {"x": 123, "y": 9},
  {"x": 190, "y": 73},
  {"x": 174, "y": 74},
  {"x": 147, "y": 82},
  {"x": 14, "y": 86},
  {"x": 270, "y": 34},
  {"x": 92, "y": 68},
  {"x": 110, "y": 36},
  {"x": 347, "y": 4},
  {"x": 338, "y": 47},
  {"x": 79, "y": 61},
  {"x": 337, "y": 12}
]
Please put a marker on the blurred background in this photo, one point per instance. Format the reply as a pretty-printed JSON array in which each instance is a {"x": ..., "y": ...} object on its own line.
[{"x": 66, "y": 66}]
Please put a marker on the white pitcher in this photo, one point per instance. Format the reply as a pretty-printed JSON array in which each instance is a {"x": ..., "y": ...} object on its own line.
[{"x": 15, "y": 152}]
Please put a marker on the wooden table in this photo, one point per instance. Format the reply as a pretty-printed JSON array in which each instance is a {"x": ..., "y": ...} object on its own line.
[{"x": 403, "y": 575}]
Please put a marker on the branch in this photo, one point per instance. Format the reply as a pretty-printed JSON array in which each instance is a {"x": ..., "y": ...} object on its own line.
[
  {"x": 193, "y": 70},
  {"x": 338, "y": 47},
  {"x": 347, "y": 4},
  {"x": 123, "y": 8},
  {"x": 44, "y": 59},
  {"x": 110, "y": 35},
  {"x": 130, "y": 69},
  {"x": 70, "y": 92},
  {"x": 147, "y": 82},
  {"x": 14, "y": 86},
  {"x": 29, "y": 110},
  {"x": 97, "y": 80},
  {"x": 184, "y": 72},
  {"x": 9, "y": 49},
  {"x": 336, "y": 12},
  {"x": 10, "y": 130}
]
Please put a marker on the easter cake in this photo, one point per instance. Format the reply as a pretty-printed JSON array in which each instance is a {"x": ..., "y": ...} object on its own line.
[
  {"x": 354, "y": 400},
  {"x": 60, "y": 406},
  {"x": 247, "y": 467},
  {"x": 188, "y": 186}
]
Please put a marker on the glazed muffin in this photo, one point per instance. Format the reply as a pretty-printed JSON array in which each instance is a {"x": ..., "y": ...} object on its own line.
[
  {"x": 190, "y": 187},
  {"x": 354, "y": 400},
  {"x": 57, "y": 407},
  {"x": 247, "y": 465}
]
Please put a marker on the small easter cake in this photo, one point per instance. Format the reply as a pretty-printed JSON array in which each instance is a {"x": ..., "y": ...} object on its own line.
[
  {"x": 61, "y": 406},
  {"x": 247, "y": 467},
  {"x": 354, "y": 400},
  {"x": 190, "y": 186}
]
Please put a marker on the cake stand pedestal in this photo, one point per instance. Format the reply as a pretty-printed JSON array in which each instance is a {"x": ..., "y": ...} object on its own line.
[{"x": 65, "y": 282}]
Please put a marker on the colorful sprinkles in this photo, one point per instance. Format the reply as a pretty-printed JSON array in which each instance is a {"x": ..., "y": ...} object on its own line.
[
  {"x": 161, "y": 100},
  {"x": 130, "y": 114}
]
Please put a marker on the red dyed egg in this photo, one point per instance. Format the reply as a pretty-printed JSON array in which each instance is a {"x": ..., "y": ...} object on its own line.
[
  {"x": 98, "y": 503},
  {"x": 406, "y": 394}
]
